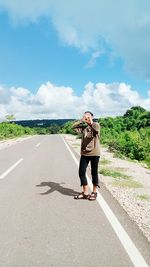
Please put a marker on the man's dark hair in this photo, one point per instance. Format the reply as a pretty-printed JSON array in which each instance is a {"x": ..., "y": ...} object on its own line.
[{"x": 89, "y": 112}]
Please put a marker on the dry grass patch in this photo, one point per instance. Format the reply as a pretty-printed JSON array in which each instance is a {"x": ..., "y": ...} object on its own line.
[
  {"x": 130, "y": 184},
  {"x": 114, "y": 173},
  {"x": 121, "y": 179},
  {"x": 144, "y": 197},
  {"x": 104, "y": 161}
]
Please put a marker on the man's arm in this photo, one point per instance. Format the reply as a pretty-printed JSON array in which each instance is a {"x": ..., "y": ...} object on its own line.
[
  {"x": 94, "y": 125},
  {"x": 77, "y": 124},
  {"x": 80, "y": 124}
]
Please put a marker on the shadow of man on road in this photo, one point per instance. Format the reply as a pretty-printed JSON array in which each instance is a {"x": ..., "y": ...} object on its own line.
[{"x": 57, "y": 187}]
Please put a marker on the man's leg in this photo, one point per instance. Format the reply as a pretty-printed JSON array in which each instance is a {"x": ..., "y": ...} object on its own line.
[
  {"x": 94, "y": 172},
  {"x": 82, "y": 172}
]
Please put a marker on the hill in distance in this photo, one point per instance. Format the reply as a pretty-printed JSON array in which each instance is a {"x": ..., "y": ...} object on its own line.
[{"x": 42, "y": 123}]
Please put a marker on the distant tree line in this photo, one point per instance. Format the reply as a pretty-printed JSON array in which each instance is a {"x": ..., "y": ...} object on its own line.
[{"x": 11, "y": 128}]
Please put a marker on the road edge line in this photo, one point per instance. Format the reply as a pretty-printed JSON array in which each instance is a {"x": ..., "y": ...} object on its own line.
[{"x": 132, "y": 251}]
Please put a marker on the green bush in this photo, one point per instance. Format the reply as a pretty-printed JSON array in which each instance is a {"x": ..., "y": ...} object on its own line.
[
  {"x": 10, "y": 130},
  {"x": 127, "y": 135},
  {"x": 67, "y": 128}
]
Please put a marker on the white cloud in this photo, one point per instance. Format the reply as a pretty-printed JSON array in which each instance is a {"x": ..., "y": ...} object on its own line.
[
  {"x": 95, "y": 55},
  {"x": 124, "y": 26},
  {"x": 4, "y": 95},
  {"x": 51, "y": 101},
  {"x": 26, "y": 10}
]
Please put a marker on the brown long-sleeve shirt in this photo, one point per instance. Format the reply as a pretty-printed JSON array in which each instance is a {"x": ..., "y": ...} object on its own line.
[{"x": 90, "y": 143}]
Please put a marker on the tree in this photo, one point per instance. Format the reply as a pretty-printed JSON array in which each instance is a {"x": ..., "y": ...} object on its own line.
[
  {"x": 10, "y": 117},
  {"x": 134, "y": 112}
]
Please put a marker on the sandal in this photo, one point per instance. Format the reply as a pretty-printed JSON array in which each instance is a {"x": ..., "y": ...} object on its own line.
[
  {"x": 93, "y": 196},
  {"x": 82, "y": 196}
]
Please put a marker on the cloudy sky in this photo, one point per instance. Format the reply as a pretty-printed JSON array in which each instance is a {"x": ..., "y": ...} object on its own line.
[{"x": 60, "y": 58}]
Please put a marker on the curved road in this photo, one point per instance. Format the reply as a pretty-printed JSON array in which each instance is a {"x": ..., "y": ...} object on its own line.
[{"x": 41, "y": 225}]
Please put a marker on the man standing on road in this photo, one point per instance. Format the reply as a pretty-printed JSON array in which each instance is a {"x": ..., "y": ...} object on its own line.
[{"x": 90, "y": 152}]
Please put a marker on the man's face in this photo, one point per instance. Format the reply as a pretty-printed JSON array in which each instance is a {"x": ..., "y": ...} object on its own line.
[{"x": 88, "y": 116}]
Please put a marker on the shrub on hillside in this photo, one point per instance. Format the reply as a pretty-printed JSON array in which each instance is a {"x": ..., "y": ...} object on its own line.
[{"x": 8, "y": 130}]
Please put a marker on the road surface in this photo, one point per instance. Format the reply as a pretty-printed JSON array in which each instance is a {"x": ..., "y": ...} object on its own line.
[{"x": 41, "y": 225}]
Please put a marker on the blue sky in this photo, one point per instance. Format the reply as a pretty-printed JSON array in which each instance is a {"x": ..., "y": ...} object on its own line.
[{"x": 47, "y": 44}]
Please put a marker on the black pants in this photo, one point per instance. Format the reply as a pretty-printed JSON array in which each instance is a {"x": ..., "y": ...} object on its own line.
[{"x": 84, "y": 161}]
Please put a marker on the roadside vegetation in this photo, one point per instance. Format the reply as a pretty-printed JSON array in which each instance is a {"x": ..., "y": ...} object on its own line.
[
  {"x": 126, "y": 136},
  {"x": 144, "y": 197},
  {"x": 11, "y": 130},
  {"x": 104, "y": 161},
  {"x": 128, "y": 183},
  {"x": 51, "y": 129},
  {"x": 113, "y": 173},
  {"x": 120, "y": 179}
]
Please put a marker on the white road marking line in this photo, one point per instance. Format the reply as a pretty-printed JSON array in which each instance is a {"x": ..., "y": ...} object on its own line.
[
  {"x": 2, "y": 176},
  {"x": 37, "y": 145},
  {"x": 130, "y": 248}
]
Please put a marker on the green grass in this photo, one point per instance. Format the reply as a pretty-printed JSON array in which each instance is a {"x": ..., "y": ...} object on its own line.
[
  {"x": 119, "y": 155},
  {"x": 144, "y": 197},
  {"x": 129, "y": 184},
  {"x": 104, "y": 161},
  {"x": 121, "y": 169},
  {"x": 113, "y": 173},
  {"x": 121, "y": 179}
]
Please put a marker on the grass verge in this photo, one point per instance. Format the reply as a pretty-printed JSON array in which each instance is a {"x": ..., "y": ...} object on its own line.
[
  {"x": 130, "y": 184},
  {"x": 144, "y": 197},
  {"x": 114, "y": 173},
  {"x": 104, "y": 161},
  {"x": 121, "y": 179}
]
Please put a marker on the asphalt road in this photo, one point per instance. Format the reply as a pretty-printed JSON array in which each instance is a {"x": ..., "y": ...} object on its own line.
[{"x": 41, "y": 225}]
